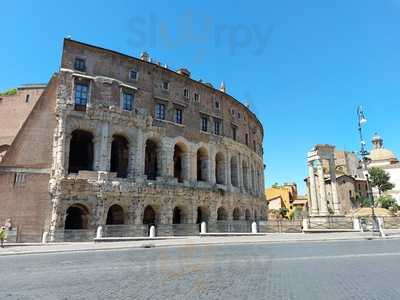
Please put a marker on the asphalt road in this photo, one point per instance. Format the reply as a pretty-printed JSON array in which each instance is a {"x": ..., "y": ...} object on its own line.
[{"x": 310, "y": 270}]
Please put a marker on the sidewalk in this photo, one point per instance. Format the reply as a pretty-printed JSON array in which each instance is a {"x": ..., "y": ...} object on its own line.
[{"x": 32, "y": 248}]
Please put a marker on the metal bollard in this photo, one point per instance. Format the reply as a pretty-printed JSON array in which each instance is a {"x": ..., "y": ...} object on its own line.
[
  {"x": 203, "y": 228},
  {"x": 152, "y": 231},
  {"x": 99, "y": 233},
  {"x": 44, "y": 237},
  {"x": 254, "y": 227}
]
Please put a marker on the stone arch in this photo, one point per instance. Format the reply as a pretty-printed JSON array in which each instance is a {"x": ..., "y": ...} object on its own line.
[
  {"x": 220, "y": 168},
  {"x": 236, "y": 214},
  {"x": 203, "y": 214},
  {"x": 234, "y": 171},
  {"x": 177, "y": 217},
  {"x": 245, "y": 175},
  {"x": 152, "y": 160},
  {"x": 81, "y": 151},
  {"x": 115, "y": 215},
  {"x": 202, "y": 164},
  {"x": 119, "y": 156},
  {"x": 149, "y": 215},
  {"x": 77, "y": 217},
  {"x": 247, "y": 214},
  {"x": 181, "y": 164},
  {"x": 222, "y": 214}
]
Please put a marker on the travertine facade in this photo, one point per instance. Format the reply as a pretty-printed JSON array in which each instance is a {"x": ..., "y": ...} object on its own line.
[{"x": 137, "y": 143}]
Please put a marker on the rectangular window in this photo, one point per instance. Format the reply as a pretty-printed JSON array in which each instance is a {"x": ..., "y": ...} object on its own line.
[
  {"x": 160, "y": 111},
  {"x": 186, "y": 93},
  {"x": 127, "y": 101},
  {"x": 196, "y": 97},
  {"x": 178, "y": 116},
  {"x": 81, "y": 96},
  {"x": 133, "y": 75},
  {"x": 80, "y": 64},
  {"x": 216, "y": 104},
  {"x": 234, "y": 133},
  {"x": 246, "y": 139},
  {"x": 204, "y": 124},
  {"x": 165, "y": 85},
  {"x": 217, "y": 126}
]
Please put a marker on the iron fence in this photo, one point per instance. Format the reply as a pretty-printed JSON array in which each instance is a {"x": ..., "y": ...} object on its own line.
[
  {"x": 140, "y": 230},
  {"x": 280, "y": 226},
  {"x": 229, "y": 227},
  {"x": 74, "y": 235},
  {"x": 391, "y": 222},
  {"x": 331, "y": 223},
  {"x": 189, "y": 229}
]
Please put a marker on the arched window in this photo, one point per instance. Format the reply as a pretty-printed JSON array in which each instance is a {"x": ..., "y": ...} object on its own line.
[
  {"x": 115, "y": 215},
  {"x": 221, "y": 214},
  {"x": 234, "y": 171},
  {"x": 180, "y": 162},
  {"x": 236, "y": 214},
  {"x": 151, "y": 161},
  {"x": 119, "y": 156},
  {"x": 202, "y": 164},
  {"x": 245, "y": 174},
  {"x": 220, "y": 168},
  {"x": 77, "y": 217},
  {"x": 149, "y": 215},
  {"x": 80, "y": 151}
]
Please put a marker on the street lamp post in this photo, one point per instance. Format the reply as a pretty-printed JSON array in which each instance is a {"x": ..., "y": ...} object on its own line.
[{"x": 365, "y": 161}]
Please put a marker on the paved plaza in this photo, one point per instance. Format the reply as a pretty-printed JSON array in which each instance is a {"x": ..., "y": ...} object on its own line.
[{"x": 353, "y": 269}]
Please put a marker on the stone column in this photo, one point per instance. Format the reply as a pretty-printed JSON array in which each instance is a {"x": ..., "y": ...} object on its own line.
[
  {"x": 167, "y": 159},
  {"x": 335, "y": 198},
  {"x": 212, "y": 154},
  {"x": 137, "y": 155},
  {"x": 103, "y": 143},
  {"x": 313, "y": 191},
  {"x": 228, "y": 171},
  {"x": 323, "y": 205}
]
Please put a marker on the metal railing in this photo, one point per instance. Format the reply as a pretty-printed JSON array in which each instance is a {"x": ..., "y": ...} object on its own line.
[
  {"x": 177, "y": 229},
  {"x": 391, "y": 222},
  {"x": 74, "y": 235},
  {"x": 280, "y": 226},
  {"x": 229, "y": 227},
  {"x": 331, "y": 223},
  {"x": 140, "y": 230}
]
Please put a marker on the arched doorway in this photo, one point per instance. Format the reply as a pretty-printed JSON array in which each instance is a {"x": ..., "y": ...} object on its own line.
[
  {"x": 80, "y": 151},
  {"x": 77, "y": 217},
  {"x": 151, "y": 161},
  {"x": 177, "y": 216},
  {"x": 222, "y": 214},
  {"x": 202, "y": 164},
  {"x": 234, "y": 171},
  {"x": 119, "y": 156},
  {"x": 180, "y": 162},
  {"x": 149, "y": 215},
  {"x": 202, "y": 214},
  {"x": 220, "y": 168},
  {"x": 247, "y": 215},
  {"x": 236, "y": 214},
  {"x": 115, "y": 215}
]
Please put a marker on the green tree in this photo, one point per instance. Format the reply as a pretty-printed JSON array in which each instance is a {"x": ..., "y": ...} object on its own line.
[
  {"x": 9, "y": 92},
  {"x": 283, "y": 212},
  {"x": 388, "y": 202},
  {"x": 380, "y": 179},
  {"x": 365, "y": 202}
]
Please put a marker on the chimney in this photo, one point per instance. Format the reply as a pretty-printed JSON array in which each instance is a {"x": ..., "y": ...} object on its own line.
[
  {"x": 145, "y": 56},
  {"x": 184, "y": 72}
]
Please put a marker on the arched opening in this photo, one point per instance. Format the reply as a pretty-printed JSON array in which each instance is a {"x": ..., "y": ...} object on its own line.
[
  {"x": 115, "y": 215},
  {"x": 245, "y": 173},
  {"x": 80, "y": 151},
  {"x": 222, "y": 214},
  {"x": 180, "y": 162},
  {"x": 220, "y": 168},
  {"x": 202, "y": 214},
  {"x": 177, "y": 216},
  {"x": 202, "y": 165},
  {"x": 234, "y": 171},
  {"x": 119, "y": 156},
  {"x": 151, "y": 161},
  {"x": 77, "y": 217},
  {"x": 149, "y": 215},
  {"x": 247, "y": 215},
  {"x": 236, "y": 214}
]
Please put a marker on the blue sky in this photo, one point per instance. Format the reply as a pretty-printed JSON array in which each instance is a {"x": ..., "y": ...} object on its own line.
[{"x": 303, "y": 66}]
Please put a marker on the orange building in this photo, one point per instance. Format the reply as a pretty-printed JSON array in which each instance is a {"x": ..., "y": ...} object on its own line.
[{"x": 287, "y": 195}]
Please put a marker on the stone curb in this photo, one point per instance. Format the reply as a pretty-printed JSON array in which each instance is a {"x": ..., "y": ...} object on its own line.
[{"x": 198, "y": 244}]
